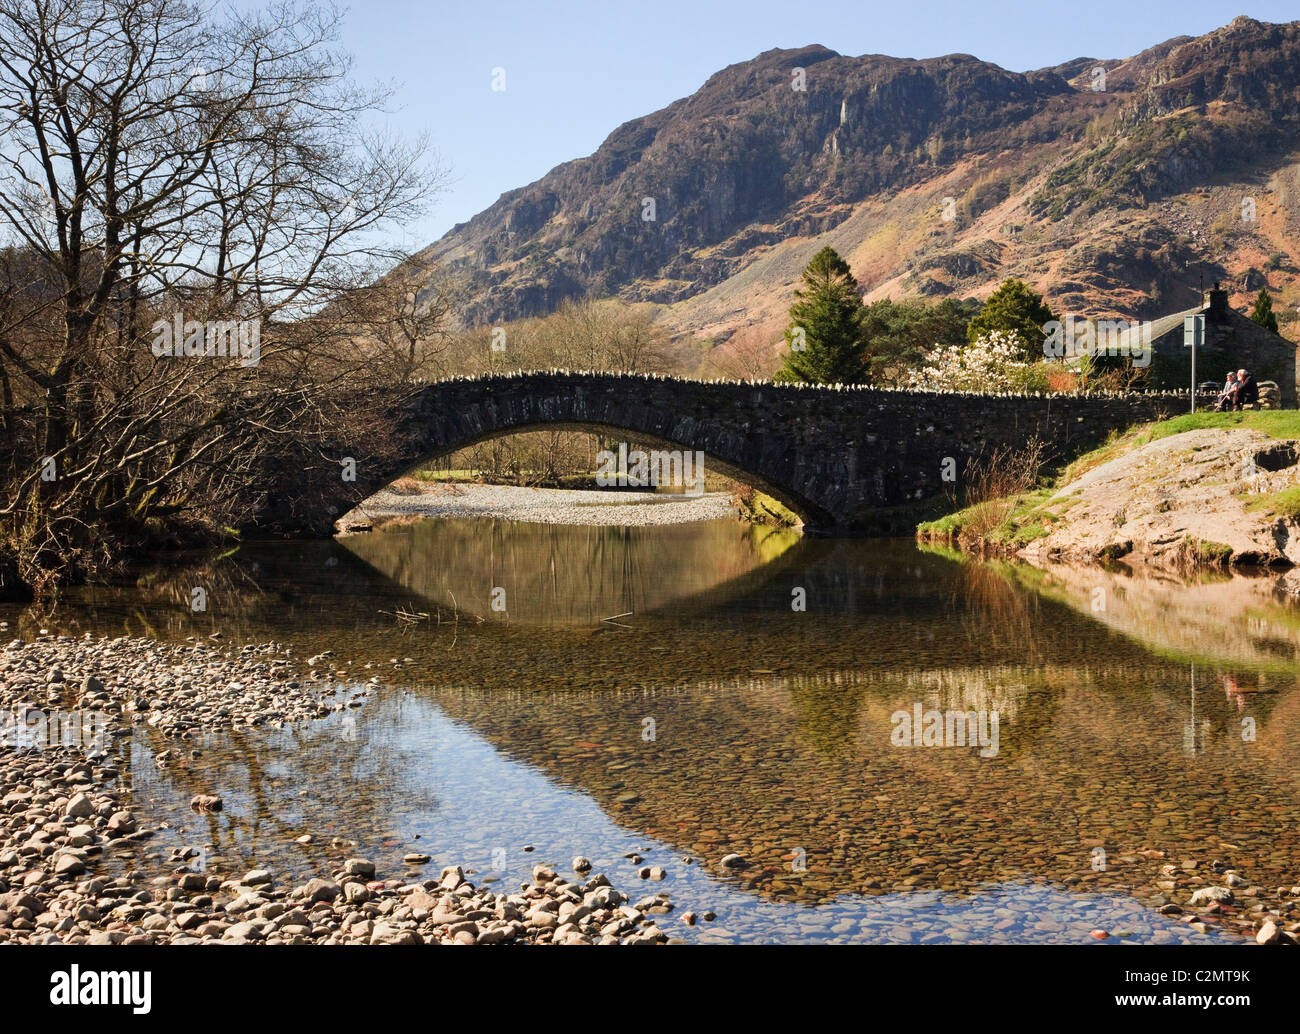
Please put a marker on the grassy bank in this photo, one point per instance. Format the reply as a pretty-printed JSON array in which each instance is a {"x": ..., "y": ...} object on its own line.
[{"x": 1002, "y": 525}]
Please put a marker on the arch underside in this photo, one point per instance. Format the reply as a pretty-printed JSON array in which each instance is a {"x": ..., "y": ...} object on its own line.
[{"x": 434, "y": 446}]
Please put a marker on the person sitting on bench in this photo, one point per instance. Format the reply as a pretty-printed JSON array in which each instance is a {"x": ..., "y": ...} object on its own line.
[
  {"x": 1247, "y": 390},
  {"x": 1227, "y": 398}
]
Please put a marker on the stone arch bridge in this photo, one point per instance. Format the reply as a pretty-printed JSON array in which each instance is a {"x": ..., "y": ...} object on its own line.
[{"x": 848, "y": 460}]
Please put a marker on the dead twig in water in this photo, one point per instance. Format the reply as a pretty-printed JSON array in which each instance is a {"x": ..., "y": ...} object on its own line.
[{"x": 406, "y": 617}]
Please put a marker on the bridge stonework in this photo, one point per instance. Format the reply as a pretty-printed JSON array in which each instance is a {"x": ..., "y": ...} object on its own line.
[{"x": 843, "y": 458}]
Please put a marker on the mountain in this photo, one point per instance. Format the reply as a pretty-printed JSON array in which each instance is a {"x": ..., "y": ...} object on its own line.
[{"x": 1116, "y": 187}]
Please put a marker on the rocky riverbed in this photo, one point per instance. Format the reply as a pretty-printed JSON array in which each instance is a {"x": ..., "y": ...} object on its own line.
[
  {"x": 177, "y": 689},
  {"x": 63, "y": 815},
  {"x": 60, "y": 821},
  {"x": 1212, "y": 894}
]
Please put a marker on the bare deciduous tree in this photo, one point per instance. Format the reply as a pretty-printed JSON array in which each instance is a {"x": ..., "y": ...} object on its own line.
[
  {"x": 750, "y": 354},
  {"x": 602, "y": 335},
  {"x": 170, "y": 172},
  {"x": 403, "y": 318}
]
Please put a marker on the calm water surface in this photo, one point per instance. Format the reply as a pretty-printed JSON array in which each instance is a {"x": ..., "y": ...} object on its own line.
[{"x": 653, "y": 691}]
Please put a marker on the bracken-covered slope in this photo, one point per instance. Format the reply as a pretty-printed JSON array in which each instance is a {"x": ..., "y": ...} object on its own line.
[{"x": 1116, "y": 187}]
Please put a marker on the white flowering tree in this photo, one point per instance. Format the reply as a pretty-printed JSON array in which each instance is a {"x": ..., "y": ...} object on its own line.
[{"x": 993, "y": 362}]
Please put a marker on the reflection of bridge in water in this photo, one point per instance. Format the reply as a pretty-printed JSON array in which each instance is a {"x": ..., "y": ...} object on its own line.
[
  {"x": 559, "y": 575},
  {"x": 871, "y": 606}
]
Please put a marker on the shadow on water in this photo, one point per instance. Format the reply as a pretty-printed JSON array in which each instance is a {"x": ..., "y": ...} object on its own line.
[{"x": 718, "y": 718}]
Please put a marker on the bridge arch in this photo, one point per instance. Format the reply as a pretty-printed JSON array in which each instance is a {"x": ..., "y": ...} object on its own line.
[{"x": 808, "y": 511}]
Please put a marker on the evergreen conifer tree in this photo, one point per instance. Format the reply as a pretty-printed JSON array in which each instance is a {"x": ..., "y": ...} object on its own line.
[
  {"x": 1263, "y": 311},
  {"x": 826, "y": 339}
]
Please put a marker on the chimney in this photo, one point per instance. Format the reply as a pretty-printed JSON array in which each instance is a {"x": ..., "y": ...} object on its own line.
[{"x": 1216, "y": 302}]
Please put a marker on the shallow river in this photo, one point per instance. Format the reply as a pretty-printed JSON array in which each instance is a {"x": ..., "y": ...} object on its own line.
[{"x": 553, "y": 691}]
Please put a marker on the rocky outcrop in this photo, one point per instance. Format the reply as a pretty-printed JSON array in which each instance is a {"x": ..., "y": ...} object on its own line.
[{"x": 1206, "y": 497}]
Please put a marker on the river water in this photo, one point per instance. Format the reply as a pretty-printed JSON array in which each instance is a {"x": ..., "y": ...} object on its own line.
[{"x": 686, "y": 692}]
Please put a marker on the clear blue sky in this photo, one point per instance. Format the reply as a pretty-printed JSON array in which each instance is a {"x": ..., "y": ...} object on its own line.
[{"x": 576, "y": 71}]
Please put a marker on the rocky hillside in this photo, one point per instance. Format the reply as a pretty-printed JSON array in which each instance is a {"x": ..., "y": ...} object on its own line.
[{"x": 1115, "y": 186}]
